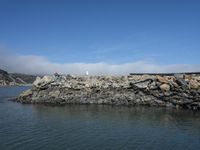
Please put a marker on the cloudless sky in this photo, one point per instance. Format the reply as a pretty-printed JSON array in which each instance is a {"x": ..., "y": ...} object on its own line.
[{"x": 112, "y": 31}]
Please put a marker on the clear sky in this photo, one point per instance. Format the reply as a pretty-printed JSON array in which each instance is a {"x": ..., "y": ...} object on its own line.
[{"x": 117, "y": 32}]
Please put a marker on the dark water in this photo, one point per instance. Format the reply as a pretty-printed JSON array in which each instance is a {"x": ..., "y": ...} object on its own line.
[{"x": 34, "y": 127}]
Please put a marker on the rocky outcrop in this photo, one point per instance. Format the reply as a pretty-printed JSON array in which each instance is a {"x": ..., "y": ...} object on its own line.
[
  {"x": 7, "y": 79},
  {"x": 151, "y": 90}
]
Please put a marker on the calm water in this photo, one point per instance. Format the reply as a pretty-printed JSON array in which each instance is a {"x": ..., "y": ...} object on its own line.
[{"x": 34, "y": 127}]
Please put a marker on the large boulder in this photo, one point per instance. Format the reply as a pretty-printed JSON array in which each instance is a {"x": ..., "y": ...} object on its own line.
[
  {"x": 143, "y": 84},
  {"x": 194, "y": 84},
  {"x": 165, "y": 87},
  {"x": 181, "y": 82},
  {"x": 41, "y": 82},
  {"x": 36, "y": 82},
  {"x": 162, "y": 79}
]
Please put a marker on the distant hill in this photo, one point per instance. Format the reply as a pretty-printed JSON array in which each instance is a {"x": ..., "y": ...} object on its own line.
[{"x": 15, "y": 78}]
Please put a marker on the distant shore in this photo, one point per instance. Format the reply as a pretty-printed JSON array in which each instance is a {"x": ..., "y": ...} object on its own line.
[{"x": 15, "y": 79}]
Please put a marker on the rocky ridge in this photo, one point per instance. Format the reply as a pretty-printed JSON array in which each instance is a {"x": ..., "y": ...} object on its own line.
[
  {"x": 178, "y": 91},
  {"x": 9, "y": 79}
]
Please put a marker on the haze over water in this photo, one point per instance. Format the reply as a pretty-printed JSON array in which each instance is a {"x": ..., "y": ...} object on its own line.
[{"x": 74, "y": 127}]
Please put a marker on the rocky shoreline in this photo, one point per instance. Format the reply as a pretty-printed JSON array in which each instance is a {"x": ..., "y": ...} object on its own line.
[{"x": 177, "y": 91}]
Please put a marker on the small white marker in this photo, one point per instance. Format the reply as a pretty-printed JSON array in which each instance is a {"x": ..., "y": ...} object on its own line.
[{"x": 87, "y": 73}]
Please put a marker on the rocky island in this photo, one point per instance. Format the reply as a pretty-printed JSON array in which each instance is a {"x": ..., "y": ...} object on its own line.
[{"x": 176, "y": 91}]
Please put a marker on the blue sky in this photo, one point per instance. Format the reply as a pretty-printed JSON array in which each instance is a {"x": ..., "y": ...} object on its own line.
[{"x": 102, "y": 31}]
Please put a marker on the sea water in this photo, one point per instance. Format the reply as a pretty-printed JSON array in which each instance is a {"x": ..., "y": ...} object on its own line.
[{"x": 74, "y": 127}]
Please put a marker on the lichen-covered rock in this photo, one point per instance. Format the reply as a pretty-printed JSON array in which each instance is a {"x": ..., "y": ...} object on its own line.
[{"x": 150, "y": 90}]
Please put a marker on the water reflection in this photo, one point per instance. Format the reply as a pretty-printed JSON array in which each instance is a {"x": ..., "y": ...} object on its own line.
[{"x": 166, "y": 118}]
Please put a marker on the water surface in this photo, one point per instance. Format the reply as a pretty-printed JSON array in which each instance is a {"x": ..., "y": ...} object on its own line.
[{"x": 74, "y": 127}]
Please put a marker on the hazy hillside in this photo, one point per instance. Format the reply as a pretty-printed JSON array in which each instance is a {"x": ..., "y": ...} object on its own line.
[{"x": 15, "y": 78}]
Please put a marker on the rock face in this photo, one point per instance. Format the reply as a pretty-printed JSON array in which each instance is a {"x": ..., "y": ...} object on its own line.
[
  {"x": 150, "y": 90},
  {"x": 7, "y": 79}
]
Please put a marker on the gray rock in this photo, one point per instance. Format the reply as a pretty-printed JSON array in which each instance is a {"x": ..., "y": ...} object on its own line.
[{"x": 181, "y": 82}]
